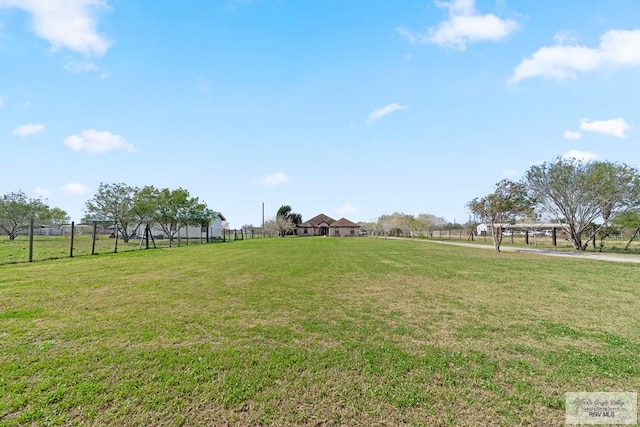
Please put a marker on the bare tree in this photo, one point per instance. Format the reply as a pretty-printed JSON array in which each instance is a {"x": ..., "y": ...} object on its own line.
[
  {"x": 286, "y": 213},
  {"x": 284, "y": 225},
  {"x": 388, "y": 224},
  {"x": 278, "y": 226},
  {"x": 429, "y": 222}
]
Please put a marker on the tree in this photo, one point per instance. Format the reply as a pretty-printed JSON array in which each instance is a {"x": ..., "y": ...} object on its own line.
[
  {"x": 282, "y": 225},
  {"x": 145, "y": 204},
  {"x": 429, "y": 222},
  {"x": 191, "y": 211},
  {"x": 17, "y": 210},
  {"x": 114, "y": 202},
  {"x": 287, "y": 214},
  {"x": 578, "y": 194},
  {"x": 508, "y": 202},
  {"x": 57, "y": 217},
  {"x": 533, "y": 224},
  {"x": 389, "y": 224},
  {"x": 170, "y": 209},
  {"x": 406, "y": 224},
  {"x": 278, "y": 226},
  {"x": 631, "y": 220}
]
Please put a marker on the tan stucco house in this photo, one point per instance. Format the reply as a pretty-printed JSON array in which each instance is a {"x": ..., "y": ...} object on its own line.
[{"x": 323, "y": 225}]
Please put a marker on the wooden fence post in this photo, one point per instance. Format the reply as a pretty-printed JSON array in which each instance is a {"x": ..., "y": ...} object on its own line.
[
  {"x": 30, "y": 240},
  {"x": 73, "y": 226},
  {"x": 93, "y": 242},
  {"x": 115, "y": 246}
]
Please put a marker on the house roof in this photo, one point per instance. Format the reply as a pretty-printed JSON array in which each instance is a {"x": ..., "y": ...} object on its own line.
[
  {"x": 344, "y": 222},
  {"x": 321, "y": 219},
  {"x": 317, "y": 220}
]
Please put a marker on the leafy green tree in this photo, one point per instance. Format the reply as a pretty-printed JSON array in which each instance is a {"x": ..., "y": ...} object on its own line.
[
  {"x": 192, "y": 211},
  {"x": 17, "y": 210},
  {"x": 114, "y": 202},
  {"x": 508, "y": 202},
  {"x": 57, "y": 217},
  {"x": 579, "y": 194},
  {"x": 170, "y": 209},
  {"x": 145, "y": 204}
]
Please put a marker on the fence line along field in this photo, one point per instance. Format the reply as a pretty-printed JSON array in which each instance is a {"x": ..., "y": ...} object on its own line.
[
  {"x": 313, "y": 331},
  {"x": 47, "y": 247},
  {"x": 25, "y": 248}
]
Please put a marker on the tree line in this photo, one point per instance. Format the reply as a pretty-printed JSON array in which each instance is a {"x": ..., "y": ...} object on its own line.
[
  {"x": 282, "y": 224},
  {"x": 17, "y": 211},
  {"x": 126, "y": 206},
  {"x": 585, "y": 198},
  {"x": 401, "y": 224}
]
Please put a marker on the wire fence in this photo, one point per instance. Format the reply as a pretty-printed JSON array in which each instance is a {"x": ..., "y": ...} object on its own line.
[
  {"x": 543, "y": 238},
  {"x": 39, "y": 244},
  {"x": 77, "y": 240}
]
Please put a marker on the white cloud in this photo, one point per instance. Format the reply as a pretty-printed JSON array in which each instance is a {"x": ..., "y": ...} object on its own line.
[
  {"x": 583, "y": 156},
  {"x": 381, "y": 112},
  {"x": 566, "y": 37},
  {"x": 74, "y": 189},
  {"x": 1, "y": 101},
  {"x": 615, "y": 127},
  {"x": 42, "y": 192},
  {"x": 571, "y": 135},
  {"x": 76, "y": 67},
  {"x": 97, "y": 142},
  {"x": 28, "y": 130},
  {"x": 465, "y": 25},
  {"x": 68, "y": 24},
  {"x": 346, "y": 209},
  {"x": 277, "y": 178},
  {"x": 617, "y": 49}
]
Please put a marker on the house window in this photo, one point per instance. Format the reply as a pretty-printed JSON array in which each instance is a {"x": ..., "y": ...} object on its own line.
[
  {"x": 353, "y": 231},
  {"x": 337, "y": 232},
  {"x": 305, "y": 231}
]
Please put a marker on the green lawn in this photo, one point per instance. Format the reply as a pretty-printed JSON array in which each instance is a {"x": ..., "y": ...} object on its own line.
[{"x": 313, "y": 331}]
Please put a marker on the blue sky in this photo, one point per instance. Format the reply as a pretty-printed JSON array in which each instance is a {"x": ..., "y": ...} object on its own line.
[{"x": 349, "y": 108}]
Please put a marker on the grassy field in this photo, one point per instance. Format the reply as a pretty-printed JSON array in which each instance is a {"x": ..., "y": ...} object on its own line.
[
  {"x": 57, "y": 247},
  {"x": 312, "y": 331}
]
